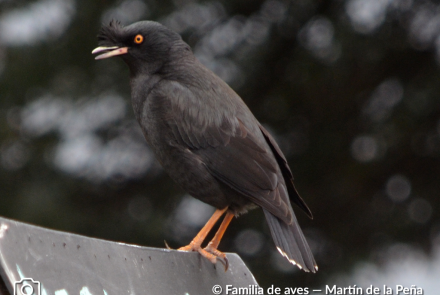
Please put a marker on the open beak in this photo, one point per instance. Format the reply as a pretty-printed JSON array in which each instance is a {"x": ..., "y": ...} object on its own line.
[{"x": 109, "y": 51}]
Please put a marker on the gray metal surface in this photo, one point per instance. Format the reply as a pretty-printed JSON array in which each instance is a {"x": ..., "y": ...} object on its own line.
[{"x": 66, "y": 263}]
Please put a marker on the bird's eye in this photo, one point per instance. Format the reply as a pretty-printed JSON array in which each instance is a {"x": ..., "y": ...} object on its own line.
[{"x": 138, "y": 39}]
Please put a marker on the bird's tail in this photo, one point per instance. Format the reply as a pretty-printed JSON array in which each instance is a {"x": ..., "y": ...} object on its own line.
[{"x": 291, "y": 243}]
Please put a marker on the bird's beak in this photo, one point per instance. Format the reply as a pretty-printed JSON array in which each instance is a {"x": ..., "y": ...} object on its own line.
[{"x": 109, "y": 51}]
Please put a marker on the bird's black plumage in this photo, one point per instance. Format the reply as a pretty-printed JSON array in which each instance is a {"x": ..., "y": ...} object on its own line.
[{"x": 204, "y": 135}]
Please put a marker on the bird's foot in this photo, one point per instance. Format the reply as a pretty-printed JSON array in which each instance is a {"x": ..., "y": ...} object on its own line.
[
  {"x": 217, "y": 254},
  {"x": 190, "y": 247},
  {"x": 209, "y": 253}
]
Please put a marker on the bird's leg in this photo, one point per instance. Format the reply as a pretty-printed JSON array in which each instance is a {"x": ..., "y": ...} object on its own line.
[
  {"x": 196, "y": 243},
  {"x": 213, "y": 245}
]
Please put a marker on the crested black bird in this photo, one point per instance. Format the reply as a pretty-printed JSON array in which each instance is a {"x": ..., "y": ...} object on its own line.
[{"x": 206, "y": 138}]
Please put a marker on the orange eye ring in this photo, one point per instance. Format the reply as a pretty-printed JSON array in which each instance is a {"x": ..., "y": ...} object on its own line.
[{"x": 138, "y": 39}]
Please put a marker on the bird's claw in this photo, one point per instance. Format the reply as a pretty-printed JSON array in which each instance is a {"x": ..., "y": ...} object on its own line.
[
  {"x": 225, "y": 263},
  {"x": 167, "y": 246},
  {"x": 214, "y": 255},
  {"x": 217, "y": 254}
]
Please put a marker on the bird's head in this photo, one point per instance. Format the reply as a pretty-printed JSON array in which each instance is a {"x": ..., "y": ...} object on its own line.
[{"x": 145, "y": 46}]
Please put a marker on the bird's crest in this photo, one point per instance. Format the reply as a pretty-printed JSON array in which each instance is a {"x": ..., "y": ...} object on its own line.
[{"x": 109, "y": 33}]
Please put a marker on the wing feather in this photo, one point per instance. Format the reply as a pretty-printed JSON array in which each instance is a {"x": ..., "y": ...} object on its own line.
[
  {"x": 287, "y": 173},
  {"x": 233, "y": 146}
]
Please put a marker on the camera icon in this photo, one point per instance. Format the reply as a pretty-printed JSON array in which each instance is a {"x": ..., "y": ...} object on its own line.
[{"x": 27, "y": 286}]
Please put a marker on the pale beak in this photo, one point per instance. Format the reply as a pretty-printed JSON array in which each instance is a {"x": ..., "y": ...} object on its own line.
[{"x": 109, "y": 51}]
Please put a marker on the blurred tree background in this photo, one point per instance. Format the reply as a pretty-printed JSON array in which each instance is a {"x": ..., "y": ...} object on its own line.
[{"x": 349, "y": 88}]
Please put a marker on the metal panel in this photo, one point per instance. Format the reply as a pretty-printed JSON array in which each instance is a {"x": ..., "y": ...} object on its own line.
[{"x": 66, "y": 263}]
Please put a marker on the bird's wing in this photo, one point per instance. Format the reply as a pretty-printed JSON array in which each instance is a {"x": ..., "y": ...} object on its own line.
[
  {"x": 287, "y": 173},
  {"x": 241, "y": 157}
]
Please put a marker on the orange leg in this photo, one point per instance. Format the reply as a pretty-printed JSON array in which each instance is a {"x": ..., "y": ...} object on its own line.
[
  {"x": 211, "y": 252},
  {"x": 213, "y": 245},
  {"x": 220, "y": 232},
  {"x": 198, "y": 240}
]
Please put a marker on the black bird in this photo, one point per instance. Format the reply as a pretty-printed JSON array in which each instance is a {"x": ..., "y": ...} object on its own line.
[{"x": 206, "y": 138}]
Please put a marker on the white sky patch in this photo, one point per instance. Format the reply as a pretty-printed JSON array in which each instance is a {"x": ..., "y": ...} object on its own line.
[
  {"x": 192, "y": 212},
  {"x": 383, "y": 100},
  {"x": 318, "y": 37},
  {"x": 36, "y": 22},
  {"x": 398, "y": 188},
  {"x": 366, "y": 16},
  {"x": 364, "y": 148},
  {"x": 404, "y": 266},
  {"x": 82, "y": 151}
]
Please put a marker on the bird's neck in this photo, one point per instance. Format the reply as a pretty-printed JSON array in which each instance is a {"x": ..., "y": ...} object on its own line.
[
  {"x": 141, "y": 86},
  {"x": 148, "y": 68}
]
